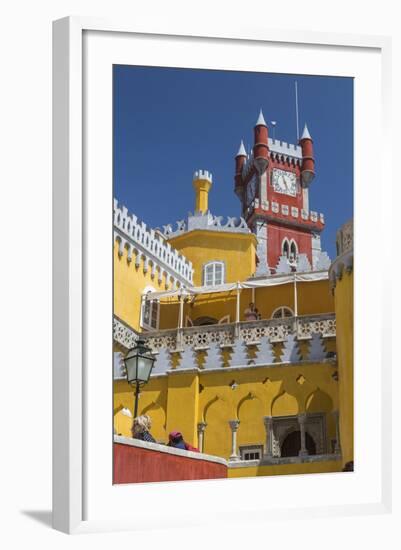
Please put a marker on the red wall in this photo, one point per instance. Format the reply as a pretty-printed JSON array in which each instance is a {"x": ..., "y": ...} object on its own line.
[
  {"x": 275, "y": 236},
  {"x": 138, "y": 465}
]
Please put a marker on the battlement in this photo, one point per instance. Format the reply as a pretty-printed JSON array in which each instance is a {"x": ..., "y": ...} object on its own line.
[
  {"x": 206, "y": 221},
  {"x": 150, "y": 246},
  {"x": 284, "y": 148},
  {"x": 202, "y": 175}
]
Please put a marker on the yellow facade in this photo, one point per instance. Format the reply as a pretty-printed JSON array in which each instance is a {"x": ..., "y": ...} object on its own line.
[
  {"x": 236, "y": 251},
  {"x": 203, "y": 403}
]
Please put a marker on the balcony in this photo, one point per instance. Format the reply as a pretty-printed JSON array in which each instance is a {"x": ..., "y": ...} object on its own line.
[{"x": 250, "y": 332}]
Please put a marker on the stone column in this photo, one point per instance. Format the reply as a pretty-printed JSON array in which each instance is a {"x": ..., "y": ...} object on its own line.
[
  {"x": 234, "y": 428},
  {"x": 201, "y": 432},
  {"x": 268, "y": 422},
  {"x": 337, "y": 448},
  {"x": 301, "y": 420}
]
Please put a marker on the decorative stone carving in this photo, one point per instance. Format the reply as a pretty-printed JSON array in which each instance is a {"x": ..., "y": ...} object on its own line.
[
  {"x": 124, "y": 335},
  {"x": 118, "y": 366},
  {"x": 283, "y": 265},
  {"x": 323, "y": 262},
  {"x": 264, "y": 354},
  {"x": 188, "y": 359},
  {"x": 148, "y": 243},
  {"x": 214, "y": 358},
  {"x": 303, "y": 264},
  {"x": 239, "y": 356},
  {"x": 163, "y": 362},
  {"x": 234, "y": 424},
  {"x": 316, "y": 348},
  {"x": 290, "y": 352}
]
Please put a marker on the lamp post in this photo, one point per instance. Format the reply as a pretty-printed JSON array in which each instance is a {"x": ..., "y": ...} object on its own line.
[{"x": 138, "y": 365}]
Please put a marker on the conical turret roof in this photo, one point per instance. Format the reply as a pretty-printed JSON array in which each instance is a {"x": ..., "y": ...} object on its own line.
[
  {"x": 305, "y": 133},
  {"x": 241, "y": 150},
  {"x": 261, "y": 120}
]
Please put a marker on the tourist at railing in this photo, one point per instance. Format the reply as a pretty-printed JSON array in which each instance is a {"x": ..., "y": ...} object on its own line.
[
  {"x": 141, "y": 428},
  {"x": 176, "y": 440},
  {"x": 251, "y": 313}
]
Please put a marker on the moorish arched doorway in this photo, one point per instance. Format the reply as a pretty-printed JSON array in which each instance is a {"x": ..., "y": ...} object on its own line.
[{"x": 292, "y": 444}]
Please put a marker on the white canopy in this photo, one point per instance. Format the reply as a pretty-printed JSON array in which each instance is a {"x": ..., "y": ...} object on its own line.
[{"x": 273, "y": 280}]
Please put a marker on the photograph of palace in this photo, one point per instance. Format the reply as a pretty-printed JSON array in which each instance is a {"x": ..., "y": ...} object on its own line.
[{"x": 233, "y": 326}]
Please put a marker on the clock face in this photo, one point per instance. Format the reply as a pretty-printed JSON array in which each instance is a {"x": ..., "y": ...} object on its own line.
[
  {"x": 284, "y": 182},
  {"x": 251, "y": 190}
]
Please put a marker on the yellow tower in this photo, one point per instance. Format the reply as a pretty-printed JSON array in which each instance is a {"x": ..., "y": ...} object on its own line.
[
  {"x": 341, "y": 277},
  {"x": 202, "y": 182}
]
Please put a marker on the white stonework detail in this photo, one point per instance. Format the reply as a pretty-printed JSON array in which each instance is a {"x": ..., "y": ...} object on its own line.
[
  {"x": 264, "y": 354},
  {"x": 149, "y": 245},
  {"x": 285, "y": 209},
  {"x": 188, "y": 359},
  {"x": 345, "y": 254},
  {"x": 290, "y": 352},
  {"x": 321, "y": 217},
  {"x": 316, "y": 350},
  {"x": 124, "y": 335},
  {"x": 323, "y": 262},
  {"x": 118, "y": 366},
  {"x": 284, "y": 148},
  {"x": 294, "y": 212},
  {"x": 303, "y": 264},
  {"x": 275, "y": 207},
  {"x": 304, "y": 214},
  {"x": 261, "y": 333},
  {"x": 209, "y": 222},
  {"x": 316, "y": 249},
  {"x": 263, "y": 190},
  {"x": 202, "y": 175},
  {"x": 313, "y": 216},
  {"x": 239, "y": 355},
  {"x": 283, "y": 265},
  {"x": 214, "y": 358},
  {"x": 305, "y": 200},
  {"x": 262, "y": 268},
  {"x": 163, "y": 362}
]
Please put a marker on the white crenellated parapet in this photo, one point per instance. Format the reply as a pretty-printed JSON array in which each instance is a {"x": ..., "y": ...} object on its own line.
[
  {"x": 202, "y": 175},
  {"x": 149, "y": 247},
  {"x": 283, "y": 148},
  {"x": 206, "y": 221}
]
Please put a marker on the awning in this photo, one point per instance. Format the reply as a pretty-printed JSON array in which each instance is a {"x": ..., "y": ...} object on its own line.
[{"x": 273, "y": 280}]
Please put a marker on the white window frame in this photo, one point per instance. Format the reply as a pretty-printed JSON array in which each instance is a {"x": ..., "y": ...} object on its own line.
[
  {"x": 251, "y": 449},
  {"x": 213, "y": 265},
  {"x": 153, "y": 303},
  {"x": 282, "y": 316}
]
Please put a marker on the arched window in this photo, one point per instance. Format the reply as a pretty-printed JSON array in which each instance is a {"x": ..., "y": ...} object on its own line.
[
  {"x": 282, "y": 312},
  {"x": 285, "y": 248},
  {"x": 293, "y": 251},
  {"x": 150, "y": 311},
  {"x": 213, "y": 274}
]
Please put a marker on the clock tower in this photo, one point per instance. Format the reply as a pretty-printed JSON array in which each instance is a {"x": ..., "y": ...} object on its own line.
[{"x": 272, "y": 183}]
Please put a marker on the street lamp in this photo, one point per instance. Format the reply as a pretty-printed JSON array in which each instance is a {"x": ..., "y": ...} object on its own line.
[{"x": 138, "y": 365}]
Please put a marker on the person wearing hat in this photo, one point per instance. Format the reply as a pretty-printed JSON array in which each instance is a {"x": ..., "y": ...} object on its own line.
[{"x": 175, "y": 439}]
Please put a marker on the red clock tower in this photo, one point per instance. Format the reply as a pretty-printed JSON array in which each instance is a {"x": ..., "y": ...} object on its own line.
[{"x": 272, "y": 183}]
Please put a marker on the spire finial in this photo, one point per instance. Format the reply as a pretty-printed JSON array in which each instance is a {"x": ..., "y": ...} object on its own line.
[
  {"x": 241, "y": 150},
  {"x": 261, "y": 119},
  {"x": 305, "y": 133}
]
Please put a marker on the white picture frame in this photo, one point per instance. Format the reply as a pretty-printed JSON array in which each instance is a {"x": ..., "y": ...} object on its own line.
[{"x": 75, "y": 438}]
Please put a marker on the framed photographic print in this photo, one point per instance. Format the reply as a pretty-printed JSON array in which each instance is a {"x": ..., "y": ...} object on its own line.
[{"x": 209, "y": 326}]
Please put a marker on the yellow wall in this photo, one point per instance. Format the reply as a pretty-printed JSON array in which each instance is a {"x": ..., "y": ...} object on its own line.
[
  {"x": 129, "y": 283},
  {"x": 236, "y": 250},
  {"x": 345, "y": 345},
  {"x": 286, "y": 469},
  {"x": 175, "y": 402}
]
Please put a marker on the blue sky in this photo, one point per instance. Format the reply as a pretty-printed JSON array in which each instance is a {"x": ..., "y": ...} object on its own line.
[{"x": 170, "y": 122}]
